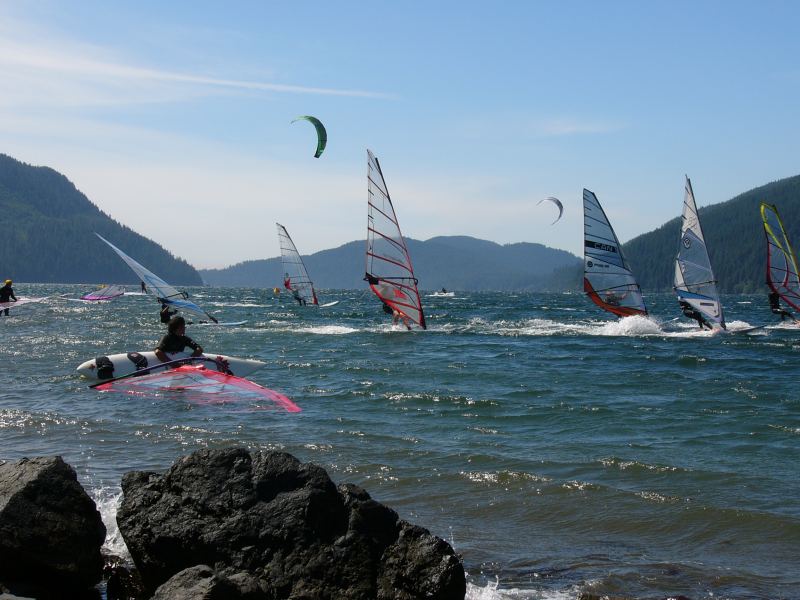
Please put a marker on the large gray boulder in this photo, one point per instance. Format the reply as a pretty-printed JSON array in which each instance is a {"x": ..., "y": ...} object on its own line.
[
  {"x": 50, "y": 530},
  {"x": 270, "y": 517}
]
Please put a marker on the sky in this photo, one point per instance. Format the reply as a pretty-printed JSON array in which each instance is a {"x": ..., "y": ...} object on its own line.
[{"x": 175, "y": 117}]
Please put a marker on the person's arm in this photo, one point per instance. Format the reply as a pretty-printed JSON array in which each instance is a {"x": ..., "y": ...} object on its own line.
[
  {"x": 161, "y": 356},
  {"x": 198, "y": 350}
]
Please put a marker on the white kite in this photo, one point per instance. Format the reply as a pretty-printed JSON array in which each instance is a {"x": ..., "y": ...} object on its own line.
[{"x": 557, "y": 202}]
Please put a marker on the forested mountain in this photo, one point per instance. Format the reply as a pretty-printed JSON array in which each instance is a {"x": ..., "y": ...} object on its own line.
[
  {"x": 734, "y": 236},
  {"x": 456, "y": 262},
  {"x": 48, "y": 234}
]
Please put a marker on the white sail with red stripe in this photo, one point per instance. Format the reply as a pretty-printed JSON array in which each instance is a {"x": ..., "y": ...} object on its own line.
[
  {"x": 295, "y": 278},
  {"x": 389, "y": 271}
]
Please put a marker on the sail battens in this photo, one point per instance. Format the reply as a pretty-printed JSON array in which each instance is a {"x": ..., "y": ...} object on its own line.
[
  {"x": 389, "y": 270},
  {"x": 607, "y": 277}
]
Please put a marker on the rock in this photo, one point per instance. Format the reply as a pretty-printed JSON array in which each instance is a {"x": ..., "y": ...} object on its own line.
[
  {"x": 280, "y": 526},
  {"x": 50, "y": 530},
  {"x": 202, "y": 583},
  {"x": 122, "y": 582}
]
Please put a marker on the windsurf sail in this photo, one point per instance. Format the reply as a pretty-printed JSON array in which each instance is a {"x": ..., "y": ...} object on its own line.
[
  {"x": 201, "y": 386},
  {"x": 295, "y": 278},
  {"x": 107, "y": 292},
  {"x": 607, "y": 276},
  {"x": 160, "y": 288},
  {"x": 782, "y": 270},
  {"x": 389, "y": 271},
  {"x": 695, "y": 283}
]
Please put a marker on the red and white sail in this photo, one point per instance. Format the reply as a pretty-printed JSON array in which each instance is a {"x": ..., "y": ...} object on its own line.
[
  {"x": 199, "y": 385},
  {"x": 389, "y": 271},
  {"x": 782, "y": 268}
]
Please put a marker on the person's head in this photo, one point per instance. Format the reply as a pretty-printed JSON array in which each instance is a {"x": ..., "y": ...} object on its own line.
[
  {"x": 9, "y": 282},
  {"x": 177, "y": 325}
]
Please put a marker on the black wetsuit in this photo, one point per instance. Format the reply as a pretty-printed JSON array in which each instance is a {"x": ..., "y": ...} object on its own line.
[
  {"x": 775, "y": 306},
  {"x": 6, "y": 294},
  {"x": 172, "y": 342},
  {"x": 388, "y": 309},
  {"x": 693, "y": 314}
]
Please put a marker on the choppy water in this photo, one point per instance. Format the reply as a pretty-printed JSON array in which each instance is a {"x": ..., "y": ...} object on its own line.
[{"x": 557, "y": 450}]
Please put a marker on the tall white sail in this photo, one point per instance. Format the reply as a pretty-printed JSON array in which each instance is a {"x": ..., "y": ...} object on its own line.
[
  {"x": 607, "y": 277},
  {"x": 389, "y": 271},
  {"x": 295, "y": 278},
  {"x": 158, "y": 287},
  {"x": 695, "y": 283}
]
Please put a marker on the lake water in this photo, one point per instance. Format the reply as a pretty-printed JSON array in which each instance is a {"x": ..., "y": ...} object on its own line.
[{"x": 558, "y": 450}]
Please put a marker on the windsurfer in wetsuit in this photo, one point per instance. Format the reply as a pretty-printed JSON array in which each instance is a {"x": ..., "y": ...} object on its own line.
[
  {"x": 166, "y": 312},
  {"x": 144, "y": 288},
  {"x": 7, "y": 295},
  {"x": 694, "y": 314},
  {"x": 176, "y": 340},
  {"x": 775, "y": 306}
]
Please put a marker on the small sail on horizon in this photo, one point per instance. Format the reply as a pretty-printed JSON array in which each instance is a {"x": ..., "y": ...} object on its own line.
[
  {"x": 296, "y": 278},
  {"x": 782, "y": 268},
  {"x": 607, "y": 276},
  {"x": 694, "y": 282},
  {"x": 158, "y": 287},
  {"x": 389, "y": 271}
]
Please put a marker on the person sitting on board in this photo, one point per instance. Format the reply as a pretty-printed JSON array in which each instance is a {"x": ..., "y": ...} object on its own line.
[
  {"x": 7, "y": 295},
  {"x": 166, "y": 312},
  {"x": 176, "y": 340},
  {"x": 775, "y": 305},
  {"x": 694, "y": 314}
]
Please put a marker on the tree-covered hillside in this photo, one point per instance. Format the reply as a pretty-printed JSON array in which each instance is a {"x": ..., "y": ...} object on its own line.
[
  {"x": 48, "y": 234},
  {"x": 458, "y": 263},
  {"x": 734, "y": 236}
]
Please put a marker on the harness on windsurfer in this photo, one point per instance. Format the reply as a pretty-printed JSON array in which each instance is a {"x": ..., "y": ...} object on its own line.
[
  {"x": 775, "y": 306},
  {"x": 7, "y": 295},
  {"x": 694, "y": 314}
]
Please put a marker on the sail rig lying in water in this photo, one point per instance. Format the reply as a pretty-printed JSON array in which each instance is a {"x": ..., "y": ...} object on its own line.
[
  {"x": 607, "y": 277},
  {"x": 782, "y": 270},
  {"x": 199, "y": 385},
  {"x": 160, "y": 288},
  {"x": 695, "y": 283},
  {"x": 389, "y": 271},
  {"x": 107, "y": 292},
  {"x": 295, "y": 278}
]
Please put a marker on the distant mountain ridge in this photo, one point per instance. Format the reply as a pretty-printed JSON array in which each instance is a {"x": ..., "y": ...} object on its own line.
[
  {"x": 48, "y": 234},
  {"x": 453, "y": 262},
  {"x": 734, "y": 235}
]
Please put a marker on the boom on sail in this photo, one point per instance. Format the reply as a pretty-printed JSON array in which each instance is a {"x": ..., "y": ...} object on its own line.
[
  {"x": 160, "y": 288},
  {"x": 695, "y": 284},
  {"x": 389, "y": 271},
  {"x": 782, "y": 270},
  {"x": 607, "y": 277},
  {"x": 296, "y": 278}
]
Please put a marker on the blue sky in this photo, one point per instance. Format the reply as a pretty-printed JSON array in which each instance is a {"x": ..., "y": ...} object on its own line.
[{"x": 174, "y": 117}]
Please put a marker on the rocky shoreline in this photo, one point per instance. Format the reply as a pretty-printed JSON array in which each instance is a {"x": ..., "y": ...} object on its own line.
[{"x": 217, "y": 524}]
